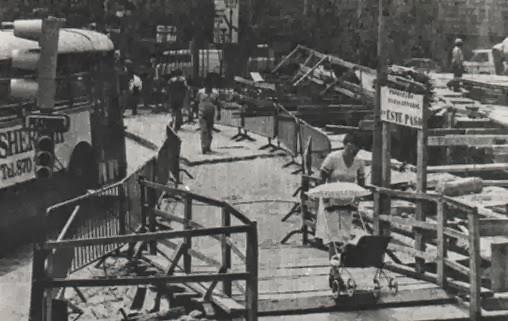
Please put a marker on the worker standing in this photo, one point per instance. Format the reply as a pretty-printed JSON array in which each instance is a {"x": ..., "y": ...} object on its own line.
[
  {"x": 177, "y": 91},
  {"x": 135, "y": 88},
  {"x": 457, "y": 62},
  {"x": 208, "y": 100}
]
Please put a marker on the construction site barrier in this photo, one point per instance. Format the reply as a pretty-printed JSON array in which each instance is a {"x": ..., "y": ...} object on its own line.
[
  {"x": 53, "y": 257},
  {"x": 320, "y": 145},
  {"x": 288, "y": 131},
  {"x": 230, "y": 115}
]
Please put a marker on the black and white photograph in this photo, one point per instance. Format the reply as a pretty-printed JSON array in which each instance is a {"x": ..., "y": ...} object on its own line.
[{"x": 245, "y": 160}]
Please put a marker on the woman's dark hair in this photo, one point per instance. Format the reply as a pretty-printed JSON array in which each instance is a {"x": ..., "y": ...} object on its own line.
[{"x": 353, "y": 139}]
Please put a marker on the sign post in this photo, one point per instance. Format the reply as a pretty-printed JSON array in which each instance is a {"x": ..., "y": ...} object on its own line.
[{"x": 407, "y": 109}]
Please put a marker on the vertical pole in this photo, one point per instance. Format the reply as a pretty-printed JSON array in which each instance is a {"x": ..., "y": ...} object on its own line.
[
  {"x": 386, "y": 173},
  {"x": 37, "y": 293},
  {"x": 46, "y": 72},
  {"x": 376, "y": 176},
  {"x": 441, "y": 243},
  {"x": 226, "y": 250},
  {"x": 121, "y": 209},
  {"x": 251, "y": 293},
  {"x": 421, "y": 186},
  {"x": 474, "y": 266},
  {"x": 187, "y": 260},
  {"x": 142, "y": 191},
  {"x": 150, "y": 206}
]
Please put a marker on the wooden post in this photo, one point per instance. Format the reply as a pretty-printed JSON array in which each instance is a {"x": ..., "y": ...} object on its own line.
[
  {"x": 386, "y": 175},
  {"x": 251, "y": 293},
  {"x": 121, "y": 209},
  {"x": 376, "y": 175},
  {"x": 187, "y": 259},
  {"x": 441, "y": 243},
  {"x": 304, "y": 209},
  {"x": 37, "y": 300},
  {"x": 142, "y": 197},
  {"x": 421, "y": 186},
  {"x": 151, "y": 203},
  {"x": 226, "y": 251},
  {"x": 474, "y": 266}
]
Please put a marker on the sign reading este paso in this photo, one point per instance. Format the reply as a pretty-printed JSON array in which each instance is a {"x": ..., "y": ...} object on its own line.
[{"x": 401, "y": 107}]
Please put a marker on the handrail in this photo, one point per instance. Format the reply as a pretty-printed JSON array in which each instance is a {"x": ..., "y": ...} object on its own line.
[{"x": 196, "y": 197}]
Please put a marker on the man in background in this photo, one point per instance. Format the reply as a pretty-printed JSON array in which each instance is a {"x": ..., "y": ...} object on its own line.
[
  {"x": 177, "y": 90},
  {"x": 208, "y": 100},
  {"x": 135, "y": 88},
  {"x": 457, "y": 62}
]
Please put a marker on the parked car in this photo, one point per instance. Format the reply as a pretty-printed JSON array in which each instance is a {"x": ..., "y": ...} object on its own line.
[
  {"x": 423, "y": 64},
  {"x": 482, "y": 62}
]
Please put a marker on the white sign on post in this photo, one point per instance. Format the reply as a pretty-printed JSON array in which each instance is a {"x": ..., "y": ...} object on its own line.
[
  {"x": 226, "y": 21},
  {"x": 401, "y": 107}
]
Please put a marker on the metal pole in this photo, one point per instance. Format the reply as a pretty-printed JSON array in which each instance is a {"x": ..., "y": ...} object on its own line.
[{"x": 48, "y": 62}]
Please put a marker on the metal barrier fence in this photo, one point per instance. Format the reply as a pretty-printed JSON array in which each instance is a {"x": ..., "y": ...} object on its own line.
[
  {"x": 288, "y": 133},
  {"x": 320, "y": 144}
]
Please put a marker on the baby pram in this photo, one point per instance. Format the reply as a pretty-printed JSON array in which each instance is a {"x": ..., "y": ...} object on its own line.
[{"x": 368, "y": 252}]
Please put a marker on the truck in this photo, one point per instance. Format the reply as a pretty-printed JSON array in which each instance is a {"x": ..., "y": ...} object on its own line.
[{"x": 482, "y": 62}]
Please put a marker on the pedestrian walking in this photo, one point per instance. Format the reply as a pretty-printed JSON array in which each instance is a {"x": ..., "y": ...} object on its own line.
[
  {"x": 335, "y": 218},
  {"x": 457, "y": 62},
  {"x": 208, "y": 100},
  {"x": 135, "y": 88},
  {"x": 177, "y": 89}
]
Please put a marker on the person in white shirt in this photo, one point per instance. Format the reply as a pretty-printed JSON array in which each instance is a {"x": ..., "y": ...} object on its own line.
[
  {"x": 208, "y": 100},
  {"x": 334, "y": 218},
  {"x": 135, "y": 88},
  {"x": 457, "y": 61}
]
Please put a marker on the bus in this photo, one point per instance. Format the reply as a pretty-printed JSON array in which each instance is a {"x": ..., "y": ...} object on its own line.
[{"x": 92, "y": 152}]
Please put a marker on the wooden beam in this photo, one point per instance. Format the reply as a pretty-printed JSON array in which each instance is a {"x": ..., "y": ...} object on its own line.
[
  {"x": 126, "y": 281},
  {"x": 467, "y": 131},
  {"x": 411, "y": 222},
  {"x": 144, "y": 237},
  {"x": 499, "y": 266},
  {"x": 410, "y": 196},
  {"x": 464, "y": 270},
  {"x": 466, "y": 140},
  {"x": 428, "y": 257},
  {"x": 493, "y": 227},
  {"x": 467, "y": 168},
  {"x": 361, "y": 300},
  {"x": 441, "y": 244},
  {"x": 456, "y": 234},
  {"x": 193, "y": 253}
]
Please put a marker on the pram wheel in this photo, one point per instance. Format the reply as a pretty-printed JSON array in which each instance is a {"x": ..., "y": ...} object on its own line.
[
  {"x": 335, "y": 289},
  {"x": 377, "y": 288},
  {"x": 393, "y": 285},
  {"x": 350, "y": 287}
]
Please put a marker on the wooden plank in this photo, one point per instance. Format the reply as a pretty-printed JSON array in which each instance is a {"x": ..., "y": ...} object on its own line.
[
  {"x": 466, "y": 140},
  {"x": 124, "y": 281},
  {"x": 441, "y": 244},
  {"x": 193, "y": 224},
  {"x": 410, "y": 196},
  {"x": 495, "y": 303},
  {"x": 467, "y": 131},
  {"x": 457, "y": 267},
  {"x": 464, "y": 287},
  {"x": 456, "y": 234},
  {"x": 131, "y": 238},
  {"x": 198, "y": 255},
  {"x": 493, "y": 227},
  {"x": 475, "y": 308},
  {"x": 467, "y": 168},
  {"x": 499, "y": 266},
  {"x": 411, "y": 222},
  {"x": 361, "y": 300},
  {"x": 413, "y": 252}
]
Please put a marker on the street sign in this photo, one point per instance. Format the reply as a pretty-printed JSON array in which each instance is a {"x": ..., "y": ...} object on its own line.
[{"x": 51, "y": 122}]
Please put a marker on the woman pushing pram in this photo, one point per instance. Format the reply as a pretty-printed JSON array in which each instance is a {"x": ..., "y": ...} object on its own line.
[{"x": 345, "y": 175}]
